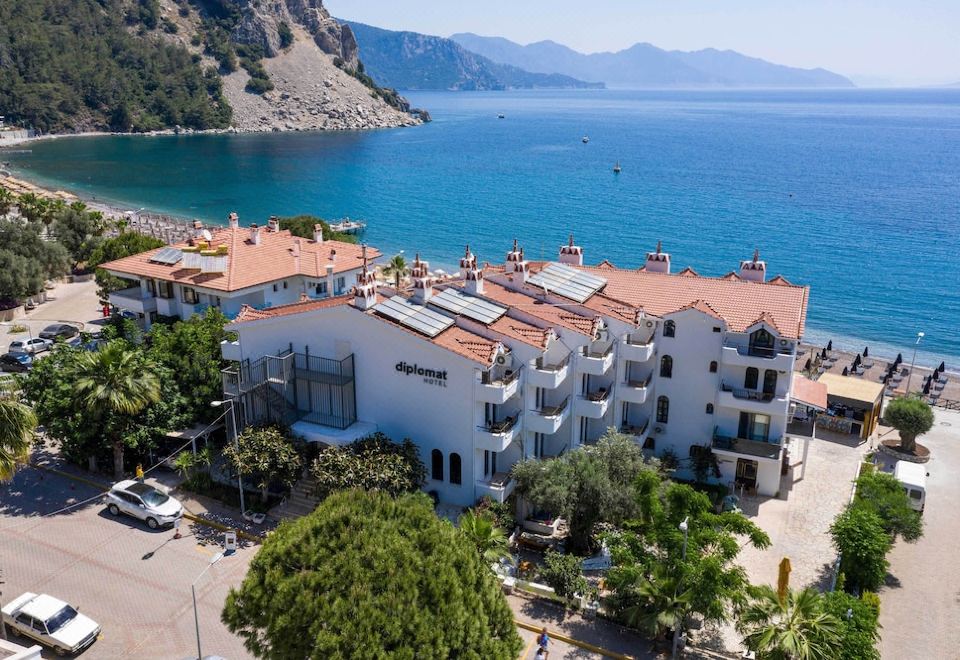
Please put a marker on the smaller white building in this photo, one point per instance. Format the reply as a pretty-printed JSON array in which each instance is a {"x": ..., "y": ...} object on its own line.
[{"x": 233, "y": 267}]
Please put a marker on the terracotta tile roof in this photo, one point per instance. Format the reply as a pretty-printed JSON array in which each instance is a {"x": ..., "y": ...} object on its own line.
[
  {"x": 248, "y": 313},
  {"x": 455, "y": 339},
  {"x": 248, "y": 264},
  {"x": 738, "y": 302},
  {"x": 613, "y": 308},
  {"x": 810, "y": 392},
  {"x": 704, "y": 307},
  {"x": 527, "y": 300},
  {"x": 781, "y": 280},
  {"x": 524, "y": 332},
  {"x": 688, "y": 272}
]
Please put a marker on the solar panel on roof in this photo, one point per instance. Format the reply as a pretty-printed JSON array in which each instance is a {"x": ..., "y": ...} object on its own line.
[
  {"x": 568, "y": 282},
  {"x": 167, "y": 255},
  {"x": 415, "y": 317},
  {"x": 472, "y": 307}
]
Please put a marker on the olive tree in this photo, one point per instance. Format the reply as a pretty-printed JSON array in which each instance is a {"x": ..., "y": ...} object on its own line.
[{"x": 911, "y": 416}]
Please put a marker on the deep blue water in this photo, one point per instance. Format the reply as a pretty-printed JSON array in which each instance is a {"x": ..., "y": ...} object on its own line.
[{"x": 856, "y": 193}]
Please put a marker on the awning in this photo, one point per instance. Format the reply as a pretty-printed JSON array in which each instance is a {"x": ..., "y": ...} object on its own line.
[
  {"x": 846, "y": 389},
  {"x": 810, "y": 393},
  {"x": 198, "y": 431}
]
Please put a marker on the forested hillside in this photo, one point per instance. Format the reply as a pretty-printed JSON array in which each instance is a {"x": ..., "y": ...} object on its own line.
[{"x": 73, "y": 65}]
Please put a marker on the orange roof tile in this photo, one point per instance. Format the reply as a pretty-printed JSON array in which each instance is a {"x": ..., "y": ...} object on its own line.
[
  {"x": 524, "y": 332},
  {"x": 702, "y": 306},
  {"x": 810, "y": 392},
  {"x": 248, "y": 264},
  {"x": 738, "y": 302},
  {"x": 248, "y": 313},
  {"x": 528, "y": 300}
]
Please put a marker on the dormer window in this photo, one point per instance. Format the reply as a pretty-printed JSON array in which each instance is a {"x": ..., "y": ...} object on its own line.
[{"x": 669, "y": 329}]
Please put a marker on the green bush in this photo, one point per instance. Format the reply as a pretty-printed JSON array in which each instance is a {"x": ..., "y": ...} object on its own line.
[
  {"x": 862, "y": 542},
  {"x": 259, "y": 85},
  {"x": 882, "y": 494},
  {"x": 564, "y": 574},
  {"x": 286, "y": 34},
  {"x": 859, "y": 624}
]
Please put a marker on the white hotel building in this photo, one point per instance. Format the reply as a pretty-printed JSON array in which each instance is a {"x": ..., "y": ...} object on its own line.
[{"x": 505, "y": 362}]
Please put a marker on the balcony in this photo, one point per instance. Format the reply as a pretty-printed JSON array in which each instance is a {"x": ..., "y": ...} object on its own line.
[
  {"x": 594, "y": 404},
  {"x": 635, "y": 349},
  {"x": 497, "y": 436},
  {"x": 738, "y": 355},
  {"x": 135, "y": 300},
  {"x": 746, "y": 447},
  {"x": 635, "y": 391},
  {"x": 168, "y": 306},
  {"x": 498, "y": 488},
  {"x": 548, "y": 376},
  {"x": 639, "y": 433},
  {"x": 549, "y": 419},
  {"x": 801, "y": 428},
  {"x": 595, "y": 363},
  {"x": 230, "y": 350},
  {"x": 751, "y": 400},
  {"x": 498, "y": 389}
]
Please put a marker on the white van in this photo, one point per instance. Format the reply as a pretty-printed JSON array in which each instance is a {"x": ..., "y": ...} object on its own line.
[{"x": 913, "y": 476}]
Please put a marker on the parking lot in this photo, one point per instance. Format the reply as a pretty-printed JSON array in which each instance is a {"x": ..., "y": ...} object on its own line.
[
  {"x": 73, "y": 303},
  {"x": 133, "y": 581}
]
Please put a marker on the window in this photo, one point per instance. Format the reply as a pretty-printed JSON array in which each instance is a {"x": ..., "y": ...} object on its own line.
[
  {"x": 709, "y": 408},
  {"x": 164, "y": 290},
  {"x": 697, "y": 450},
  {"x": 436, "y": 465},
  {"x": 754, "y": 427},
  {"x": 189, "y": 296},
  {"x": 663, "y": 409},
  {"x": 284, "y": 284},
  {"x": 666, "y": 367},
  {"x": 538, "y": 445},
  {"x": 713, "y": 367},
  {"x": 489, "y": 462},
  {"x": 751, "y": 377},
  {"x": 321, "y": 288},
  {"x": 716, "y": 328},
  {"x": 341, "y": 283},
  {"x": 669, "y": 329},
  {"x": 274, "y": 288},
  {"x": 151, "y": 287},
  {"x": 769, "y": 381},
  {"x": 455, "y": 469}
]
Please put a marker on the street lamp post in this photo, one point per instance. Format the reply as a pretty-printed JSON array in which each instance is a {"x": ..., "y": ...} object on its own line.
[
  {"x": 913, "y": 361},
  {"x": 236, "y": 442},
  {"x": 678, "y": 629},
  {"x": 193, "y": 592}
]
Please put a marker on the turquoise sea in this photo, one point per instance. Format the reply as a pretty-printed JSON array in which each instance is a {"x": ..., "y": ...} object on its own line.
[{"x": 854, "y": 192}]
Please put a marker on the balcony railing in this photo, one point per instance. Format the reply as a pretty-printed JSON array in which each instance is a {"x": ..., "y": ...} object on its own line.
[
  {"x": 629, "y": 429},
  {"x": 640, "y": 383},
  {"x": 758, "y": 448},
  {"x": 599, "y": 396},
  {"x": 637, "y": 341},
  {"x": 586, "y": 351},
  {"x": 542, "y": 364},
  {"x": 749, "y": 395},
  {"x": 509, "y": 375},
  {"x": 760, "y": 351},
  {"x": 553, "y": 411},
  {"x": 503, "y": 426}
]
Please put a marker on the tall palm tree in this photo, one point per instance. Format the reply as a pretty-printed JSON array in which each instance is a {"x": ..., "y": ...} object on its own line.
[
  {"x": 396, "y": 268},
  {"x": 116, "y": 381},
  {"x": 795, "y": 628},
  {"x": 7, "y": 200},
  {"x": 490, "y": 541},
  {"x": 17, "y": 423},
  {"x": 659, "y": 603}
]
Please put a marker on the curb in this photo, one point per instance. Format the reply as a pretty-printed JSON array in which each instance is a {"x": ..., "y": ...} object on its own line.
[
  {"x": 574, "y": 642},
  {"x": 189, "y": 516}
]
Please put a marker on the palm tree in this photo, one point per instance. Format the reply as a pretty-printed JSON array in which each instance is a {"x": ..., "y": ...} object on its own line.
[
  {"x": 795, "y": 628},
  {"x": 658, "y": 604},
  {"x": 396, "y": 268},
  {"x": 490, "y": 541},
  {"x": 17, "y": 423},
  {"x": 7, "y": 200},
  {"x": 117, "y": 382}
]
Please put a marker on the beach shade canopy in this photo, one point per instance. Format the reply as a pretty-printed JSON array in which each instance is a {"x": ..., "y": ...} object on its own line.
[
  {"x": 823, "y": 353},
  {"x": 866, "y": 351},
  {"x": 846, "y": 372},
  {"x": 806, "y": 367},
  {"x": 830, "y": 345},
  {"x": 926, "y": 387},
  {"x": 935, "y": 375},
  {"x": 856, "y": 361},
  {"x": 942, "y": 367}
]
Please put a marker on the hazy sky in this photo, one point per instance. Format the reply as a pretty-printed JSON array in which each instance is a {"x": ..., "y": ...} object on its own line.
[{"x": 873, "y": 41}]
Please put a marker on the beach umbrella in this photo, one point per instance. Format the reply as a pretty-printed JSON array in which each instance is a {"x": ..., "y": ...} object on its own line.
[
  {"x": 866, "y": 351},
  {"x": 823, "y": 354},
  {"x": 935, "y": 375},
  {"x": 806, "y": 367},
  {"x": 830, "y": 345},
  {"x": 899, "y": 359},
  {"x": 942, "y": 367},
  {"x": 846, "y": 372},
  {"x": 926, "y": 387},
  {"x": 856, "y": 361}
]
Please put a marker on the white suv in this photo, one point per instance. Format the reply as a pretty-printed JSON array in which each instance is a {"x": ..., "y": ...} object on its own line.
[
  {"x": 144, "y": 502},
  {"x": 50, "y": 621}
]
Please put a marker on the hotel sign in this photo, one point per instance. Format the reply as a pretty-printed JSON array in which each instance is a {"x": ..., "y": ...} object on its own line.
[{"x": 430, "y": 376}]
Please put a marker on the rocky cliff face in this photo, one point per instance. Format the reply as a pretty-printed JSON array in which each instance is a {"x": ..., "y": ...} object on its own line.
[{"x": 261, "y": 22}]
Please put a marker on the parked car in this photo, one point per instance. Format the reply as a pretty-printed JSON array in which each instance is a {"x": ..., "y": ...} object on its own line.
[
  {"x": 51, "y": 622},
  {"x": 59, "y": 331},
  {"x": 15, "y": 362},
  {"x": 31, "y": 346},
  {"x": 144, "y": 502}
]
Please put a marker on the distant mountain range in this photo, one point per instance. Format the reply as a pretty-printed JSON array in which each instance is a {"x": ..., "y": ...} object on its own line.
[
  {"x": 645, "y": 65},
  {"x": 409, "y": 60}
]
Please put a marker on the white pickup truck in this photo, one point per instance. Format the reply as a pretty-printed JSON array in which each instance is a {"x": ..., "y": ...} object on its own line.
[{"x": 51, "y": 622}]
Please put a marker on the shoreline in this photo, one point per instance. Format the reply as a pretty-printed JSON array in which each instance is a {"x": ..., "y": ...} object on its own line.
[{"x": 815, "y": 336}]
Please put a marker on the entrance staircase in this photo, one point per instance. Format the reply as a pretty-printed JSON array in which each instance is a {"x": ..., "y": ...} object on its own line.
[{"x": 301, "y": 500}]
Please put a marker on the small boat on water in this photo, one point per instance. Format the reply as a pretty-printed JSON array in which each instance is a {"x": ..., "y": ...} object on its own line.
[
  {"x": 616, "y": 168},
  {"x": 501, "y": 116},
  {"x": 585, "y": 139},
  {"x": 348, "y": 226}
]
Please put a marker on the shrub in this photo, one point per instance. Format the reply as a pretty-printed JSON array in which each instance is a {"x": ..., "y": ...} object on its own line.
[
  {"x": 259, "y": 85},
  {"x": 911, "y": 416},
  {"x": 286, "y": 34},
  {"x": 859, "y": 625},
  {"x": 374, "y": 463},
  {"x": 882, "y": 494},
  {"x": 862, "y": 542},
  {"x": 563, "y": 573}
]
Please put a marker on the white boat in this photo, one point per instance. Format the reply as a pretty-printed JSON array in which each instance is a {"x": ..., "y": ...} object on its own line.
[
  {"x": 585, "y": 139},
  {"x": 616, "y": 168},
  {"x": 348, "y": 226}
]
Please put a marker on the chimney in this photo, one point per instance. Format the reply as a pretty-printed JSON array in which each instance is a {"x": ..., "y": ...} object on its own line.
[
  {"x": 365, "y": 292},
  {"x": 472, "y": 276},
  {"x": 422, "y": 282},
  {"x": 516, "y": 263},
  {"x": 233, "y": 220},
  {"x": 571, "y": 254},
  {"x": 273, "y": 224},
  {"x": 330, "y": 280},
  {"x": 296, "y": 254},
  {"x": 318, "y": 233},
  {"x": 754, "y": 271},
  {"x": 659, "y": 261},
  {"x": 255, "y": 234},
  {"x": 197, "y": 229}
]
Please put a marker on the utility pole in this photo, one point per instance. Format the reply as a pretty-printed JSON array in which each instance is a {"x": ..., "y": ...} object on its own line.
[{"x": 3, "y": 626}]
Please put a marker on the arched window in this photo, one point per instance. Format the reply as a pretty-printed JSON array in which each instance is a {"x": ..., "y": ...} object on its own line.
[
  {"x": 455, "y": 469},
  {"x": 669, "y": 329},
  {"x": 770, "y": 381},
  {"x": 709, "y": 408},
  {"x": 751, "y": 378},
  {"x": 666, "y": 367},
  {"x": 713, "y": 367},
  {"x": 436, "y": 465},
  {"x": 663, "y": 409}
]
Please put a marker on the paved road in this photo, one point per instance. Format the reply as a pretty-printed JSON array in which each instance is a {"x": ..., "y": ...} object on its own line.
[
  {"x": 133, "y": 581},
  {"x": 75, "y": 303},
  {"x": 920, "y": 605}
]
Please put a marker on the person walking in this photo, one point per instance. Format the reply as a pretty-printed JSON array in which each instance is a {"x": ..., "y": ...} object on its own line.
[{"x": 543, "y": 641}]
